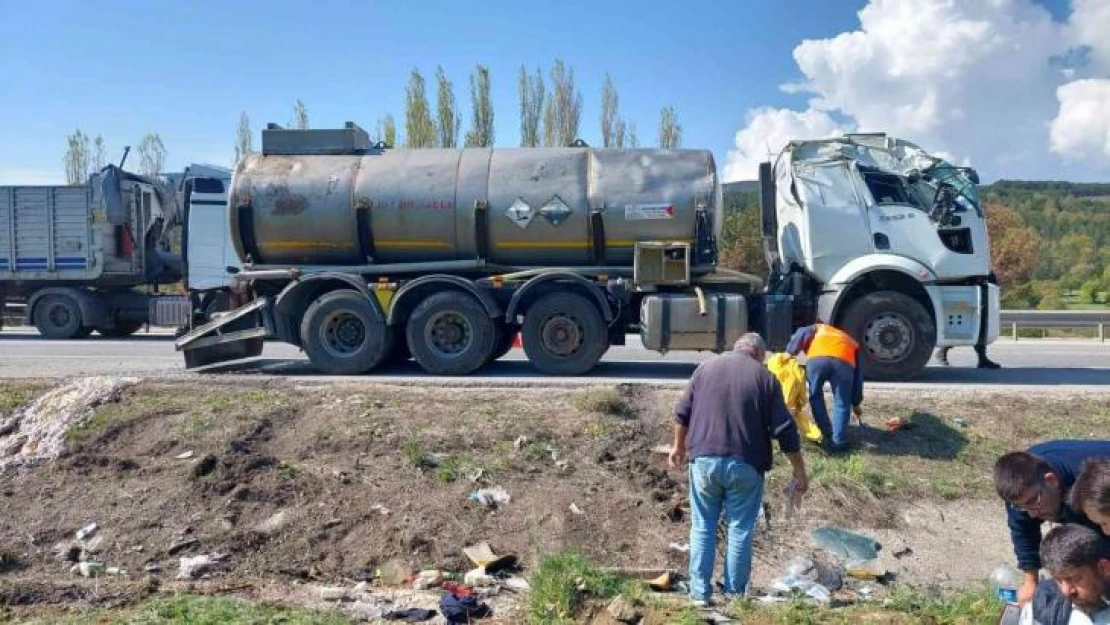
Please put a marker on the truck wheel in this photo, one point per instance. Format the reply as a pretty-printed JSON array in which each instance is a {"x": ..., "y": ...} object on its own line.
[
  {"x": 119, "y": 330},
  {"x": 895, "y": 332},
  {"x": 564, "y": 334},
  {"x": 58, "y": 317},
  {"x": 450, "y": 333},
  {"x": 344, "y": 334}
]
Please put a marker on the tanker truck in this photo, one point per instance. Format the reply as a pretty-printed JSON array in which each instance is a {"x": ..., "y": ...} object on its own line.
[{"x": 363, "y": 255}]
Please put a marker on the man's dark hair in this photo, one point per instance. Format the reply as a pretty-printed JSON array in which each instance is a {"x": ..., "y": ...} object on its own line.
[
  {"x": 1017, "y": 471},
  {"x": 1092, "y": 487},
  {"x": 1073, "y": 546}
]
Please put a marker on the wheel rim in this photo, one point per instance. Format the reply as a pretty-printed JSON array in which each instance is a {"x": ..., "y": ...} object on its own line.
[
  {"x": 562, "y": 335},
  {"x": 448, "y": 333},
  {"x": 59, "y": 315},
  {"x": 343, "y": 333},
  {"x": 889, "y": 337}
]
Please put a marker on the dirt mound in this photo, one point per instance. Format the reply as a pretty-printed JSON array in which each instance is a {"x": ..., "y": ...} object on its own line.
[
  {"x": 279, "y": 484},
  {"x": 37, "y": 432}
]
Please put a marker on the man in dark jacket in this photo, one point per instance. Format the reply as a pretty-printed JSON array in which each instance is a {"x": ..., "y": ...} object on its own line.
[
  {"x": 724, "y": 424},
  {"x": 1035, "y": 484}
]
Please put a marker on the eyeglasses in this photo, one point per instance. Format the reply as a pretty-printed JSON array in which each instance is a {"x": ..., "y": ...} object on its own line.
[{"x": 1032, "y": 504}]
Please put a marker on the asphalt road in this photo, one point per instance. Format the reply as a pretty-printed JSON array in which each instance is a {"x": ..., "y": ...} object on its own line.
[{"x": 1047, "y": 364}]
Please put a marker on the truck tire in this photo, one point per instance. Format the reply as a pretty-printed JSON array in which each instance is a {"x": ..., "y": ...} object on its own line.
[
  {"x": 343, "y": 333},
  {"x": 120, "y": 329},
  {"x": 895, "y": 332},
  {"x": 564, "y": 334},
  {"x": 58, "y": 317},
  {"x": 450, "y": 333}
]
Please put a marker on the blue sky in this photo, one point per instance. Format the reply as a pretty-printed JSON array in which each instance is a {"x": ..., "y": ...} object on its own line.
[{"x": 127, "y": 68}]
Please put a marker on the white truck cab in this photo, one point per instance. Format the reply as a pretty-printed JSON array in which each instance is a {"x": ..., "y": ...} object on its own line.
[
  {"x": 872, "y": 234},
  {"x": 207, "y": 245}
]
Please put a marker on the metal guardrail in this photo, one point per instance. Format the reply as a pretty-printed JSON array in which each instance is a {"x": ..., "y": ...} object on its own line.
[{"x": 1056, "y": 319}]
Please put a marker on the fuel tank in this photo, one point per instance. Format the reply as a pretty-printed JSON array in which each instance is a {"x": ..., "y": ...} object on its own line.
[{"x": 574, "y": 206}]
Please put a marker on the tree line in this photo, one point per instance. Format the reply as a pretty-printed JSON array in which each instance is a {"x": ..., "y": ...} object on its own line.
[
  {"x": 85, "y": 156},
  {"x": 550, "y": 114}
]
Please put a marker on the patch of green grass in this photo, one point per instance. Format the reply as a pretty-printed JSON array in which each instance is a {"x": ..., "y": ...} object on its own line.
[
  {"x": 416, "y": 457},
  {"x": 13, "y": 396},
  {"x": 561, "y": 585},
  {"x": 904, "y": 605},
  {"x": 202, "y": 611},
  {"x": 600, "y": 428},
  {"x": 606, "y": 401},
  {"x": 457, "y": 466},
  {"x": 197, "y": 425},
  {"x": 291, "y": 471}
]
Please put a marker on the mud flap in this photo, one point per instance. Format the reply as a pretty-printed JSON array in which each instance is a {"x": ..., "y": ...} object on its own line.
[{"x": 234, "y": 336}]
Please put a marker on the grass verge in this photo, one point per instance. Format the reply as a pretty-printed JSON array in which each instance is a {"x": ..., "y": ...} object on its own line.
[{"x": 200, "y": 611}]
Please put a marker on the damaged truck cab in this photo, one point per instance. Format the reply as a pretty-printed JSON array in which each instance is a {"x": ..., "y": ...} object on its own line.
[{"x": 872, "y": 234}]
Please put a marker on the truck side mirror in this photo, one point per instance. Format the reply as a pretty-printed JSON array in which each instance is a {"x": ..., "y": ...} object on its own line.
[{"x": 973, "y": 176}]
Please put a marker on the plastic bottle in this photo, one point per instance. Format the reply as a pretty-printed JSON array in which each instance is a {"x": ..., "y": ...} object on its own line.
[{"x": 1006, "y": 580}]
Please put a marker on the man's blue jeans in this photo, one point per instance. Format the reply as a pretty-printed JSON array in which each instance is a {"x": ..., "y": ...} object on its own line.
[
  {"x": 842, "y": 377},
  {"x": 737, "y": 488}
]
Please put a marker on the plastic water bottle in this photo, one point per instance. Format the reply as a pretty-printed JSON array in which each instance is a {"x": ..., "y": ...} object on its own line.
[{"x": 1006, "y": 580}]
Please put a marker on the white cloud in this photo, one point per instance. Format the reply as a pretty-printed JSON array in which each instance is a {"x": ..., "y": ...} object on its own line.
[
  {"x": 768, "y": 131},
  {"x": 974, "y": 79},
  {"x": 14, "y": 176},
  {"x": 1082, "y": 127}
]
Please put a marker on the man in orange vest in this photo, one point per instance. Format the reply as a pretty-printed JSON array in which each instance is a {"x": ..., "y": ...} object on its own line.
[{"x": 832, "y": 356}]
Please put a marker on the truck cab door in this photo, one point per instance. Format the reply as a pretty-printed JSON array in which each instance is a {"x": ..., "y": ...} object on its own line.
[
  {"x": 208, "y": 235},
  {"x": 835, "y": 228}
]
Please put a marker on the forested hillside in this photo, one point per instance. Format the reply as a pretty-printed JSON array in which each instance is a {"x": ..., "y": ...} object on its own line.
[{"x": 1050, "y": 241}]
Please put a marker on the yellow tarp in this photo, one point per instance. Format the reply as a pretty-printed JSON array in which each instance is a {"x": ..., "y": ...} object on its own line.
[{"x": 793, "y": 380}]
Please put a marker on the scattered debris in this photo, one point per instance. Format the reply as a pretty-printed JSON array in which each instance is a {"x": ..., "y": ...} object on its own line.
[
  {"x": 865, "y": 569},
  {"x": 462, "y": 609},
  {"x": 410, "y": 615},
  {"x": 115, "y": 571},
  {"x": 516, "y": 584},
  {"x": 332, "y": 522},
  {"x": 427, "y": 579},
  {"x": 41, "y": 426},
  {"x": 476, "y": 475},
  {"x": 92, "y": 546},
  {"x": 491, "y": 497},
  {"x": 903, "y": 553},
  {"x": 191, "y": 568},
  {"x": 520, "y": 442},
  {"x": 575, "y": 509},
  {"x": 662, "y": 583},
  {"x": 185, "y": 455},
  {"x": 680, "y": 548},
  {"x": 478, "y": 578},
  {"x": 182, "y": 545},
  {"x": 88, "y": 568},
  {"x": 848, "y": 546},
  {"x": 380, "y": 509},
  {"x": 67, "y": 552},
  {"x": 622, "y": 610},
  {"x": 960, "y": 422},
  {"x": 801, "y": 574},
  {"x": 333, "y": 593},
  {"x": 87, "y": 531},
  {"x": 483, "y": 556},
  {"x": 361, "y": 588},
  {"x": 152, "y": 567}
]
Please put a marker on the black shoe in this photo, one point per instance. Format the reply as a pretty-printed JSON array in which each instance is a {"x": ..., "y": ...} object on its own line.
[
  {"x": 834, "y": 449},
  {"x": 989, "y": 364}
]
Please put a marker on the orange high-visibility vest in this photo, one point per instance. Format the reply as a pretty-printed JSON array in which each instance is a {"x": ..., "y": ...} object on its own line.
[{"x": 833, "y": 342}]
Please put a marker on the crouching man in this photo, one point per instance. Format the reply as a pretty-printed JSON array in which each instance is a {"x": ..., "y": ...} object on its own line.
[{"x": 1078, "y": 558}]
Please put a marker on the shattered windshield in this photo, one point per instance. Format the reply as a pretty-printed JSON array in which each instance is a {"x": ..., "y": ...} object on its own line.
[{"x": 967, "y": 195}]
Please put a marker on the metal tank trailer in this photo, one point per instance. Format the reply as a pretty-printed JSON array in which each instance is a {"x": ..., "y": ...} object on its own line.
[{"x": 362, "y": 254}]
